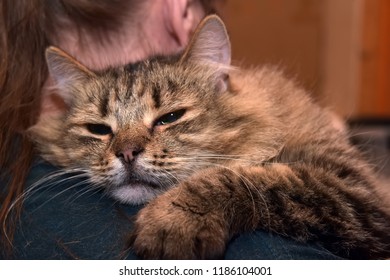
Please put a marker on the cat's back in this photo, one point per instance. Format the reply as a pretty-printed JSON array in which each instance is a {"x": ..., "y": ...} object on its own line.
[{"x": 268, "y": 92}]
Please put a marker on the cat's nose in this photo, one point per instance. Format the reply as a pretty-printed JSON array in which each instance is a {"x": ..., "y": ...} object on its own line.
[{"x": 129, "y": 154}]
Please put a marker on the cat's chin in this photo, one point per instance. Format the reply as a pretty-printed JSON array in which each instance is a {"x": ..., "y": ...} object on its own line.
[{"x": 135, "y": 193}]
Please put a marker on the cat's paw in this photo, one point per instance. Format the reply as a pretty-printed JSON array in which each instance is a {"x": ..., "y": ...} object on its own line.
[{"x": 171, "y": 228}]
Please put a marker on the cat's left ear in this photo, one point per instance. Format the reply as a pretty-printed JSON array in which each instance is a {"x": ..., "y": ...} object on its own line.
[{"x": 210, "y": 46}]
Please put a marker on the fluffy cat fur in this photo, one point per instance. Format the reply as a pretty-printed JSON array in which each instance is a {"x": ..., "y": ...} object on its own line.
[{"x": 215, "y": 151}]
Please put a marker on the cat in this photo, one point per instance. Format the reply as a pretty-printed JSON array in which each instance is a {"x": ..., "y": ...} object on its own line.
[{"x": 213, "y": 151}]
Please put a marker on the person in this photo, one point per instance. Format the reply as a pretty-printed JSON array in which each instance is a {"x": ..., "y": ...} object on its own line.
[{"x": 66, "y": 218}]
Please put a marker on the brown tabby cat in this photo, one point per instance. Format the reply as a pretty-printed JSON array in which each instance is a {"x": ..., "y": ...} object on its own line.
[{"x": 216, "y": 150}]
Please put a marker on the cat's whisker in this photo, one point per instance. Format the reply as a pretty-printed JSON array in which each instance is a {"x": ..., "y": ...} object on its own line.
[
  {"x": 201, "y": 155},
  {"x": 93, "y": 191},
  {"x": 47, "y": 182},
  {"x": 354, "y": 133},
  {"x": 171, "y": 178},
  {"x": 66, "y": 189},
  {"x": 90, "y": 189},
  {"x": 200, "y": 158},
  {"x": 62, "y": 192}
]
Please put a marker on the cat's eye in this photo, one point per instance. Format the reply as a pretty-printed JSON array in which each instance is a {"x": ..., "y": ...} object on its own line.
[
  {"x": 170, "y": 117},
  {"x": 98, "y": 129}
]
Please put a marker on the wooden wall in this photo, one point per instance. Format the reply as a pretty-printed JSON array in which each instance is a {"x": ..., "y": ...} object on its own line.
[
  {"x": 375, "y": 60},
  {"x": 282, "y": 32},
  {"x": 338, "y": 49}
]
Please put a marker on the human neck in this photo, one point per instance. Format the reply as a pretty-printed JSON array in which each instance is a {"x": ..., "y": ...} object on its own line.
[{"x": 133, "y": 39}]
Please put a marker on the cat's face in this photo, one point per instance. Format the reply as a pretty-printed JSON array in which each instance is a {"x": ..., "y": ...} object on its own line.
[
  {"x": 144, "y": 127},
  {"x": 140, "y": 129}
]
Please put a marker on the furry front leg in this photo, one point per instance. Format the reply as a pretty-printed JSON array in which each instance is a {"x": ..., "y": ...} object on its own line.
[
  {"x": 197, "y": 218},
  {"x": 180, "y": 225}
]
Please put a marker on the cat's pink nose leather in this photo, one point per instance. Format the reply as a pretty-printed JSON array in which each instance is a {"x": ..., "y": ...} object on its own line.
[{"x": 129, "y": 154}]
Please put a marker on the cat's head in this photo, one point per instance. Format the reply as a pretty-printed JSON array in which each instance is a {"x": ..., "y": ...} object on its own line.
[{"x": 139, "y": 129}]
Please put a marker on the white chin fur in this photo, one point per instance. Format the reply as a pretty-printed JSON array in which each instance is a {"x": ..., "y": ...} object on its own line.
[{"x": 134, "y": 194}]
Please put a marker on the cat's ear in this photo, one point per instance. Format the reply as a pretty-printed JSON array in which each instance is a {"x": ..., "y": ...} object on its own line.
[
  {"x": 68, "y": 74},
  {"x": 210, "y": 45}
]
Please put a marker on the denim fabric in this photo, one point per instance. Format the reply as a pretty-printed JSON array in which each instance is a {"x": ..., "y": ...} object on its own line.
[{"x": 69, "y": 219}]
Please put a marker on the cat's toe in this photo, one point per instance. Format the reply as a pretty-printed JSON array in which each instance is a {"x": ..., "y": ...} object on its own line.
[{"x": 165, "y": 231}]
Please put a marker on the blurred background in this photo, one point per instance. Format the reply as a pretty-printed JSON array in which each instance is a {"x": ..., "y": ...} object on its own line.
[{"x": 338, "y": 49}]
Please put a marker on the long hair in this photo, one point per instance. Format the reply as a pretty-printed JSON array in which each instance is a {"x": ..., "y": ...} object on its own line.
[
  {"x": 22, "y": 74},
  {"x": 25, "y": 29}
]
